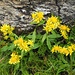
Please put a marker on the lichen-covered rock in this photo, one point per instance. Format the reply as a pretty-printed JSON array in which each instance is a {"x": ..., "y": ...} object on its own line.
[
  {"x": 12, "y": 14},
  {"x": 18, "y": 12},
  {"x": 67, "y": 11}
]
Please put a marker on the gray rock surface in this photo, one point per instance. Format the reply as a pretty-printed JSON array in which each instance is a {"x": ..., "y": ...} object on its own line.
[
  {"x": 18, "y": 12},
  {"x": 67, "y": 11}
]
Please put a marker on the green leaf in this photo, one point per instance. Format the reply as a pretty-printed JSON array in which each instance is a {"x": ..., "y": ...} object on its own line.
[
  {"x": 2, "y": 42},
  {"x": 29, "y": 36},
  {"x": 50, "y": 68},
  {"x": 16, "y": 68},
  {"x": 41, "y": 22},
  {"x": 73, "y": 71},
  {"x": 34, "y": 35},
  {"x": 11, "y": 47},
  {"x": 37, "y": 73},
  {"x": 44, "y": 38},
  {"x": 48, "y": 43},
  {"x": 25, "y": 73},
  {"x": 33, "y": 22},
  {"x": 39, "y": 36},
  {"x": 62, "y": 68},
  {"x": 62, "y": 59},
  {"x": 42, "y": 49},
  {"x": 37, "y": 45},
  {"x": 4, "y": 48},
  {"x": 54, "y": 35},
  {"x": 31, "y": 55}
]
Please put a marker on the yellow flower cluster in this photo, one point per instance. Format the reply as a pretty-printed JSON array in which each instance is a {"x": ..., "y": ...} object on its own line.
[
  {"x": 15, "y": 58},
  {"x": 23, "y": 44},
  {"x": 7, "y": 31},
  {"x": 64, "y": 50},
  {"x": 64, "y": 29},
  {"x": 37, "y": 16},
  {"x": 52, "y": 23}
]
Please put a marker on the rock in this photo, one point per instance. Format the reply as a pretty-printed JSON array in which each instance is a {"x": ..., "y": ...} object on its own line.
[
  {"x": 47, "y": 8},
  {"x": 67, "y": 11},
  {"x": 14, "y": 17},
  {"x": 18, "y": 12}
]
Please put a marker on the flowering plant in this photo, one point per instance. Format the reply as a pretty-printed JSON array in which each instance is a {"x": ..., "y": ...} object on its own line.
[{"x": 47, "y": 52}]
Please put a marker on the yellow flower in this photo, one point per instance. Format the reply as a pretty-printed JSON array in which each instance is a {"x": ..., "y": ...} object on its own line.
[
  {"x": 48, "y": 28},
  {"x": 15, "y": 42},
  {"x": 54, "y": 19},
  {"x": 6, "y": 29},
  {"x": 30, "y": 42},
  {"x": 37, "y": 16},
  {"x": 56, "y": 48},
  {"x": 20, "y": 41},
  {"x": 64, "y": 29},
  {"x": 65, "y": 51},
  {"x": 64, "y": 34},
  {"x": 52, "y": 23},
  {"x": 15, "y": 58},
  {"x": 5, "y": 33},
  {"x": 70, "y": 49},
  {"x": 73, "y": 46},
  {"x": 23, "y": 44},
  {"x": 6, "y": 37}
]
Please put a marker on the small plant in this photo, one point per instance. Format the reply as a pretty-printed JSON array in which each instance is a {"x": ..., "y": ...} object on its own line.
[{"x": 49, "y": 53}]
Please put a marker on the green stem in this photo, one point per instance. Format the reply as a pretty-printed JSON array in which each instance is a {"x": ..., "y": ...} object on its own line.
[
  {"x": 52, "y": 67},
  {"x": 13, "y": 70},
  {"x": 22, "y": 54},
  {"x": 71, "y": 65}
]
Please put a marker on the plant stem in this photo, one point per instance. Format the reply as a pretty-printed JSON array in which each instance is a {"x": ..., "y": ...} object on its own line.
[{"x": 71, "y": 65}]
